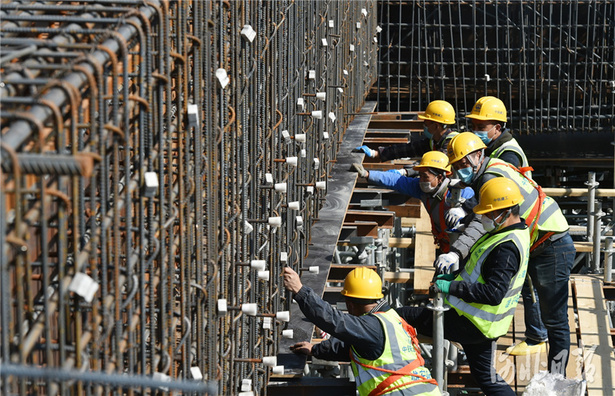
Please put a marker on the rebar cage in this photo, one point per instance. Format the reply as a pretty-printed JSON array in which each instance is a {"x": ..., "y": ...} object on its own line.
[{"x": 161, "y": 162}]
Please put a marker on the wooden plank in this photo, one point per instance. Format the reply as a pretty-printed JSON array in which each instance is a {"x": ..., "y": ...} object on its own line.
[
  {"x": 364, "y": 228},
  {"x": 596, "y": 343},
  {"x": 384, "y": 219},
  {"x": 399, "y": 276},
  {"x": 401, "y": 242},
  {"x": 424, "y": 253},
  {"x": 414, "y": 125},
  {"x": 575, "y": 363},
  {"x": 405, "y": 210}
]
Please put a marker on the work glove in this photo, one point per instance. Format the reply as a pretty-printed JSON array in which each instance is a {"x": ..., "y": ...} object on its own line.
[
  {"x": 399, "y": 171},
  {"x": 443, "y": 285},
  {"x": 453, "y": 218},
  {"x": 369, "y": 152},
  {"x": 447, "y": 263},
  {"x": 446, "y": 277},
  {"x": 356, "y": 167}
]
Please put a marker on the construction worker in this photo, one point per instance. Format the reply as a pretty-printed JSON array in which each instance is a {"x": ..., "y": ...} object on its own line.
[
  {"x": 552, "y": 251},
  {"x": 488, "y": 118},
  {"x": 484, "y": 293},
  {"x": 437, "y": 119},
  {"x": 432, "y": 188},
  {"x": 382, "y": 348}
]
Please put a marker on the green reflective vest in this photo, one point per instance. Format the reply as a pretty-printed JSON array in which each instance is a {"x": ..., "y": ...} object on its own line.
[
  {"x": 549, "y": 219},
  {"x": 399, "y": 354},
  {"x": 513, "y": 145},
  {"x": 493, "y": 320}
]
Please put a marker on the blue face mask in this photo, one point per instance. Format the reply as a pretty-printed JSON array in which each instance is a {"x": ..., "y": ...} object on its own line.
[
  {"x": 465, "y": 174},
  {"x": 426, "y": 133},
  {"x": 484, "y": 136}
]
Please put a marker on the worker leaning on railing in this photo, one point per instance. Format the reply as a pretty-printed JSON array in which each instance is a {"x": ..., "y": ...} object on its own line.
[{"x": 381, "y": 347}]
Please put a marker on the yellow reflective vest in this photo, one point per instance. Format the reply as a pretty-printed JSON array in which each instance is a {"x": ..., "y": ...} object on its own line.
[
  {"x": 513, "y": 146},
  {"x": 540, "y": 215},
  {"x": 399, "y": 370},
  {"x": 493, "y": 320}
]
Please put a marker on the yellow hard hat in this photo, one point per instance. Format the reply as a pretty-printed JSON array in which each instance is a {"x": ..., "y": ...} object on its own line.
[
  {"x": 498, "y": 193},
  {"x": 363, "y": 283},
  {"x": 439, "y": 111},
  {"x": 434, "y": 159},
  {"x": 462, "y": 145},
  {"x": 488, "y": 108}
]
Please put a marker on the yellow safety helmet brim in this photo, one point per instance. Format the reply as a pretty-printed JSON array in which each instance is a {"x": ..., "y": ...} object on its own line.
[
  {"x": 463, "y": 144},
  {"x": 435, "y": 160}
]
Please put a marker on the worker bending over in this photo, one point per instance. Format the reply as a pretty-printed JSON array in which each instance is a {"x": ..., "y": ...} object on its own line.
[
  {"x": 381, "y": 347},
  {"x": 437, "y": 119},
  {"x": 432, "y": 188},
  {"x": 552, "y": 250},
  {"x": 488, "y": 119},
  {"x": 484, "y": 293}
]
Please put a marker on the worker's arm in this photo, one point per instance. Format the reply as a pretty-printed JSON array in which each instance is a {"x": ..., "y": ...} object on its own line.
[
  {"x": 365, "y": 332},
  {"x": 498, "y": 269},
  {"x": 332, "y": 349},
  {"x": 405, "y": 185},
  {"x": 415, "y": 148}
]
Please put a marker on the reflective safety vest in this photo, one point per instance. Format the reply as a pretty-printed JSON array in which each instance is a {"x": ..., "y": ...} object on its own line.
[
  {"x": 513, "y": 146},
  {"x": 443, "y": 143},
  {"x": 541, "y": 213},
  {"x": 399, "y": 370},
  {"x": 493, "y": 320},
  {"x": 436, "y": 209}
]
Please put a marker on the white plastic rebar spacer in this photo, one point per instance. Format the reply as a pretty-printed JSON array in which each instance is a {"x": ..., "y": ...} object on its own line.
[
  {"x": 487, "y": 77},
  {"x": 376, "y": 40},
  {"x": 324, "y": 42},
  {"x": 351, "y": 48},
  {"x": 222, "y": 77},
  {"x": 294, "y": 205},
  {"x": 193, "y": 114},
  {"x": 247, "y": 227},
  {"x": 299, "y": 220},
  {"x": 292, "y": 161},
  {"x": 364, "y": 12},
  {"x": 268, "y": 179},
  {"x": 84, "y": 286},
  {"x": 248, "y": 393},
  {"x": 325, "y": 135},
  {"x": 151, "y": 184},
  {"x": 283, "y": 257},
  {"x": 309, "y": 189},
  {"x": 321, "y": 185},
  {"x": 288, "y": 333},
  {"x": 270, "y": 361},
  {"x": 195, "y": 371},
  {"x": 345, "y": 72},
  {"x": 275, "y": 221},
  {"x": 286, "y": 136},
  {"x": 280, "y": 187},
  {"x": 246, "y": 384},
  {"x": 248, "y": 33},
  {"x": 302, "y": 153},
  {"x": 267, "y": 323},
  {"x": 278, "y": 370},
  {"x": 331, "y": 23},
  {"x": 300, "y": 137},
  {"x": 258, "y": 265},
  {"x": 314, "y": 269},
  {"x": 283, "y": 316},
  {"x": 332, "y": 116},
  {"x": 263, "y": 275},
  {"x": 321, "y": 95},
  {"x": 316, "y": 163},
  {"x": 222, "y": 308},
  {"x": 378, "y": 29},
  {"x": 249, "y": 309},
  {"x": 317, "y": 114},
  {"x": 312, "y": 74},
  {"x": 358, "y": 25},
  {"x": 300, "y": 104}
]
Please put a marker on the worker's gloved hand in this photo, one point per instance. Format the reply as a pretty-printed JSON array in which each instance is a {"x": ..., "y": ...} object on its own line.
[
  {"x": 453, "y": 218},
  {"x": 446, "y": 277},
  {"x": 356, "y": 167},
  {"x": 399, "y": 171},
  {"x": 369, "y": 152},
  {"x": 443, "y": 285},
  {"x": 447, "y": 263}
]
